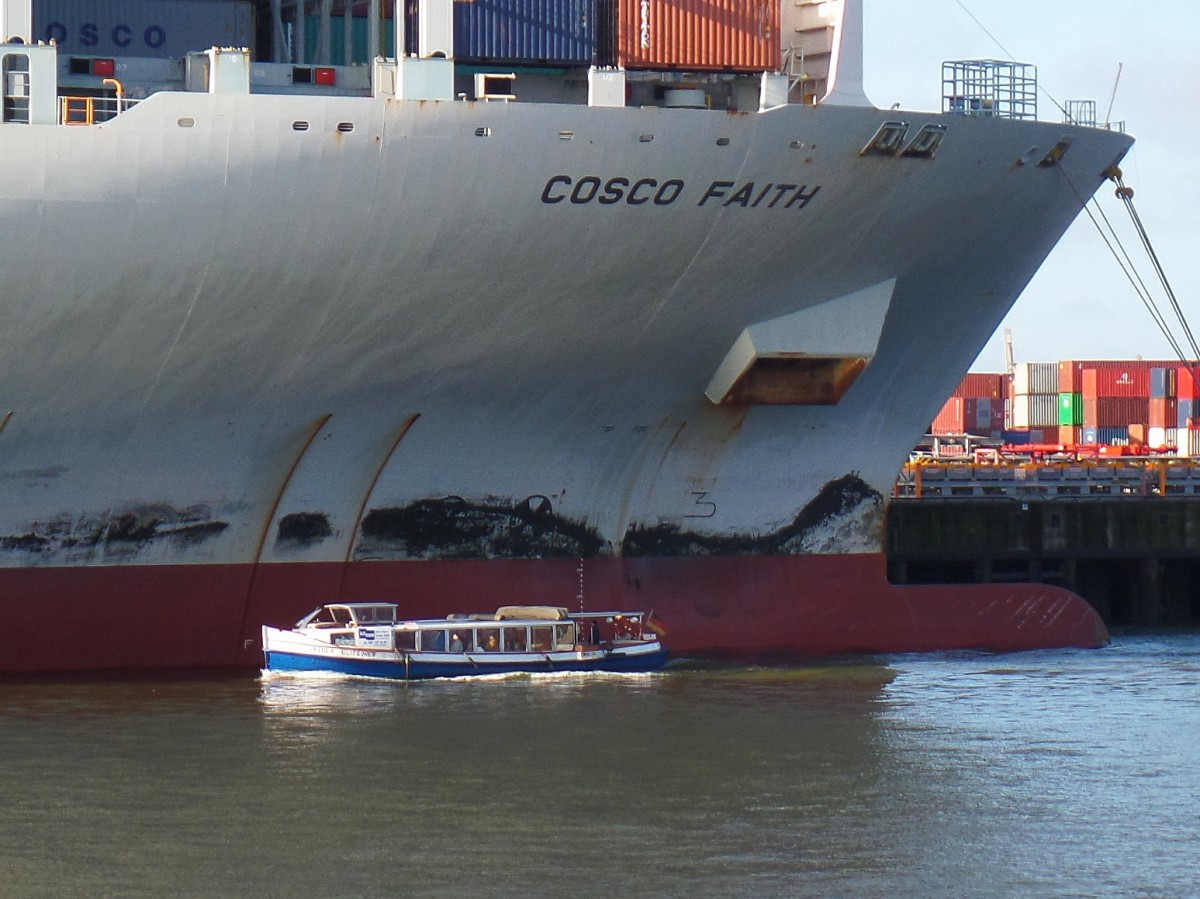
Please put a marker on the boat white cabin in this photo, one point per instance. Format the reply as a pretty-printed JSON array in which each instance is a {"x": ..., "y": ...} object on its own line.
[{"x": 369, "y": 639}]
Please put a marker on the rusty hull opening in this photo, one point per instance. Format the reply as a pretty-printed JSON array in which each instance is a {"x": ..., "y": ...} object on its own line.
[{"x": 795, "y": 381}]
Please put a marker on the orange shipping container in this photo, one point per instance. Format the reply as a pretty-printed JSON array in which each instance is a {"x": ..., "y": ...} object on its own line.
[{"x": 705, "y": 35}]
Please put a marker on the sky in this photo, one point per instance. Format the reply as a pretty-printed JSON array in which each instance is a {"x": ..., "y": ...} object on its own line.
[{"x": 1079, "y": 305}]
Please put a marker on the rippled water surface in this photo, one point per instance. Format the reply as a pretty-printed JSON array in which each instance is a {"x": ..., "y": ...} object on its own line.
[{"x": 1066, "y": 773}]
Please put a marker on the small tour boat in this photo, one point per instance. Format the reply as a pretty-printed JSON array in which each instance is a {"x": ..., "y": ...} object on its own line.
[{"x": 367, "y": 638}]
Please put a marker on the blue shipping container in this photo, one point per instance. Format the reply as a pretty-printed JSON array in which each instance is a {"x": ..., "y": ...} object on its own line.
[
  {"x": 1113, "y": 436},
  {"x": 148, "y": 28},
  {"x": 1090, "y": 436},
  {"x": 1161, "y": 382},
  {"x": 1185, "y": 412},
  {"x": 1015, "y": 438},
  {"x": 526, "y": 32}
]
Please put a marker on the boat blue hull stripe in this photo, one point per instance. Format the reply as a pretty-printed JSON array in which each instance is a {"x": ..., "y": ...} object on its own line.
[{"x": 286, "y": 661}]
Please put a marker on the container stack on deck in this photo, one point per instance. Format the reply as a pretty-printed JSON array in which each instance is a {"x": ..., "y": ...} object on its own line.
[
  {"x": 976, "y": 407},
  {"x": 1138, "y": 404},
  {"x": 1034, "y": 404},
  {"x": 727, "y": 36}
]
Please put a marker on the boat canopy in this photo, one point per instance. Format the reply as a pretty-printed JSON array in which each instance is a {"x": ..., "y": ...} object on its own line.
[{"x": 540, "y": 613}]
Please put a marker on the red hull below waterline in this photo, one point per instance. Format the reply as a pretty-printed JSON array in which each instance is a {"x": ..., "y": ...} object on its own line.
[{"x": 208, "y": 616}]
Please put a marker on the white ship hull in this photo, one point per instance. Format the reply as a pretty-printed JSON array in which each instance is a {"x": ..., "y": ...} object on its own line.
[{"x": 239, "y": 354}]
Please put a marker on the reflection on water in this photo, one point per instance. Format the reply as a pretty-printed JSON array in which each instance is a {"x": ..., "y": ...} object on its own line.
[{"x": 1038, "y": 773}]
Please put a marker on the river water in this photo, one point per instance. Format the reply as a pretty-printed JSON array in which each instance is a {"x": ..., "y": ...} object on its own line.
[{"x": 1064, "y": 773}]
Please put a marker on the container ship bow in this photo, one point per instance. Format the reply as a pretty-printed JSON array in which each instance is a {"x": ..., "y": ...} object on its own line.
[{"x": 595, "y": 309}]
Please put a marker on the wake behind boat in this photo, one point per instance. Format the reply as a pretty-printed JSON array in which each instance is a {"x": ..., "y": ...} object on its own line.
[{"x": 368, "y": 639}]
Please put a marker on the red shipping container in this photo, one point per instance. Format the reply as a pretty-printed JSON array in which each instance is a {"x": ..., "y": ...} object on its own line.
[
  {"x": 950, "y": 420},
  {"x": 1118, "y": 411},
  {"x": 981, "y": 385},
  {"x": 1124, "y": 381},
  {"x": 1187, "y": 382},
  {"x": 1164, "y": 412},
  {"x": 704, "y": 35},
  {"x": 997, "y": 419}
]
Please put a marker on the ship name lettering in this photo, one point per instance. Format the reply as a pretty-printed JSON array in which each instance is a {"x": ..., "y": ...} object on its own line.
[
  {"x": 121, "y": 35},
  {"x": 617, "y": 189},
  {"x": 749, "y": 195}
]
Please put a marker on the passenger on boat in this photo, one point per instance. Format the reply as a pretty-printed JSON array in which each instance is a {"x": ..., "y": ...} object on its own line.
[
  {"x": 456, "y": 643},
  {"x": 491, "y": 644}
]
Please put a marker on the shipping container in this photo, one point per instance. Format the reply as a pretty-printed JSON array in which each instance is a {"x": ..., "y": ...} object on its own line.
[
  {"x": 1035, "y": 378},
  {"x": 147, "y": 28},
  {"x": 1183, "y": 411},
  {"x": 950, "y": 419},
  {"x": 1115, "y": 411},
  {"x": 1015, "y": 437},
  {"x": 977, "y": 414},
  {"x": 1089, "y": 436},
  {"x": 1187, "y": 382},
  {"x": 1070, "y": 409},
  {"x": 1164, "y": 412},
  {"x": 981, "y": 384},
  {"x": 1193, "y": 441},
  {"x": 1068, "y": 377},
  {"x": 526, "y": 32},
  {"x": 1162, "y": 438},
  {"x": 698, "y": 35},
  {"x": 1035, "y": 410},
  {"x": 1123, "y": 381},
  {"x": 1162, "y": 382},
  {"x": 1113, "y": 436}
]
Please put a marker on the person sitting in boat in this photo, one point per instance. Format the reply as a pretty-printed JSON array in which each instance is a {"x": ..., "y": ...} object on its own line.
[
  {"x": 491, "y": 644},
  {"x": 456, "y": 643}
]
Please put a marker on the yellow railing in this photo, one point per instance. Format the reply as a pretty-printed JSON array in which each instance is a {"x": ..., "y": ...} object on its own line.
[{"x": 90, "y": 110}]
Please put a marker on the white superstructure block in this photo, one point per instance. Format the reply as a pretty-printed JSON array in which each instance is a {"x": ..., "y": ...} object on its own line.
[{"x": 16, "y": 20}]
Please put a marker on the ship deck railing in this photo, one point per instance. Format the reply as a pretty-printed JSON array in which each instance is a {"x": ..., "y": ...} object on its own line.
[
  {"x": 1067, "y": 480},
  {"x": 92, "y": 110}
]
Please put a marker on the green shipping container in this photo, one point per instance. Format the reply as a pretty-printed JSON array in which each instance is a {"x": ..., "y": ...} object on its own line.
[{"x": 1070, "y": 409}]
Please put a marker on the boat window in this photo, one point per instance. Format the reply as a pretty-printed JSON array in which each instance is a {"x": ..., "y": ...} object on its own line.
[
  {"x": 487, "y": 639},
  {"x": 542, "y": 638},
  {"x": 433, "y": 641},
  {"x": 564, "y": 636},
  {"x": 375, "y": 614},
  {"x": 341, "y": 616},
  {"x": 323, "y": 616},
  {"x": 516, "y": 639},
  {"x": 406, "y": 641}
]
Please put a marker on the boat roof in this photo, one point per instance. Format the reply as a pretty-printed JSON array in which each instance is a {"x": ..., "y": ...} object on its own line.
[{"x": 361, "y": 611}]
